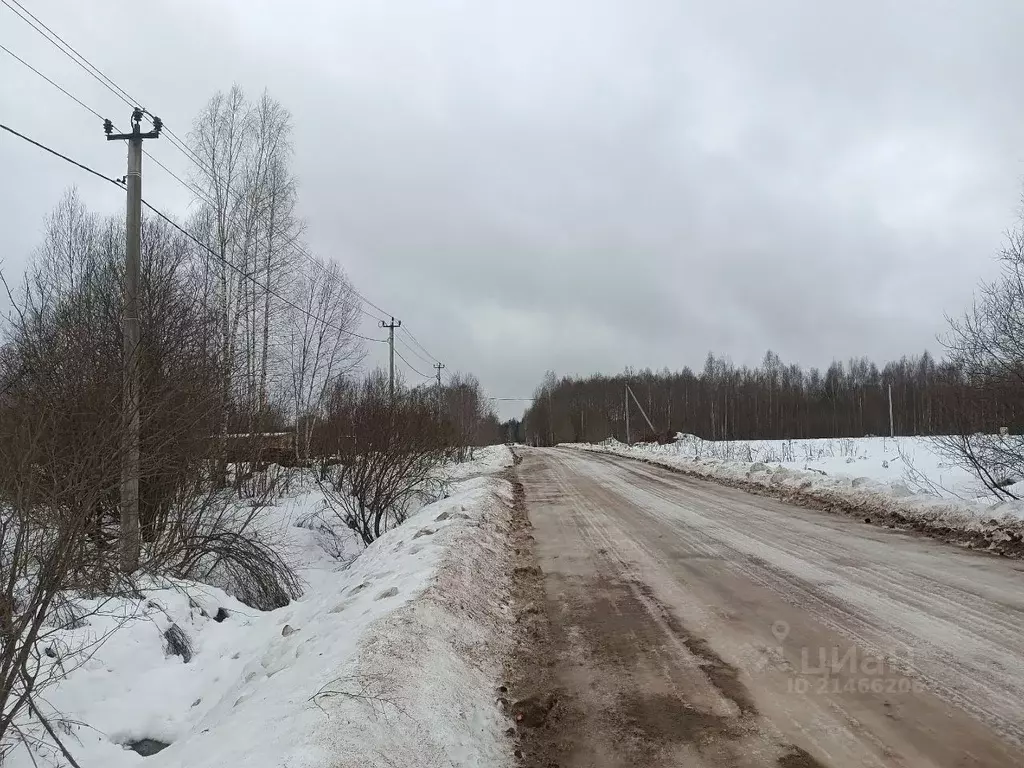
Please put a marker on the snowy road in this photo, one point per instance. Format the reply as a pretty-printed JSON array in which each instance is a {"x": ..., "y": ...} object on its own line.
[{"x": 693, "y": 624}]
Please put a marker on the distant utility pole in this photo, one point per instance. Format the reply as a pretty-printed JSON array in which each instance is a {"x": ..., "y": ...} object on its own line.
[
  {"x": 131, "y": 542},
  {"x": 892, "y": 426},
  {"x": 625, "y": 402},
  {"x": 551, "y": 421},
  {"x": 439, "y": 368},
  {"x": 391, "y": 343}
]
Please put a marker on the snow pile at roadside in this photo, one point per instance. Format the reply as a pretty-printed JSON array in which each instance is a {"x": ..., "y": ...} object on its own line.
[
  {"x": 489, "y": 460},
  {"x": 388, "y": 659},
  {"x": 984, "y": 523},
  {"x": 910, "y": 461}
]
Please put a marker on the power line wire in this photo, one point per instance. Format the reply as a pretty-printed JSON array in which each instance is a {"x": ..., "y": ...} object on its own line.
[
  {"x": 100, "y": 77},
  {"x": 126, "y": 97},
  {"x": 62, "y": 157},
  {"x": 384, "y": 311},
  {"x": 191, "y": 156},
  {"x": 82, "y": 104},
  {"x": 410, "y": 348},
  {"x": 197, "y": 192},
  {"x": 411, "y": 366},
  {"x": 417, "y": 343},
  {"x": 89, "y": 109},
  {"x": 256, "y": 282}
]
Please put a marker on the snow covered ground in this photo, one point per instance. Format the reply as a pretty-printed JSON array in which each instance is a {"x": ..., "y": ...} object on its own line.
[
  {"x": 911, "y": 462},
  {"x": 388, "y": 659},
  {"x": 902, "y": 481}
]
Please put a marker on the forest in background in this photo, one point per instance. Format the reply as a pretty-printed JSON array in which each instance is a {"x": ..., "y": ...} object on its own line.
[{"x": 774, "y": 400}]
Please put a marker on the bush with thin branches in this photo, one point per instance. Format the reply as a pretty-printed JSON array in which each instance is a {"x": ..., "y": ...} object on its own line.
[
  {"x": 380, "y": 455},
  {"x": 986, "y": 344}
]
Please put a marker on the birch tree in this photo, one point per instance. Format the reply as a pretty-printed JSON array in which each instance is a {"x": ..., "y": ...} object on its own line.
[
  {"x": 320, "y": 346},
  {"x": 246, "y": 215}
]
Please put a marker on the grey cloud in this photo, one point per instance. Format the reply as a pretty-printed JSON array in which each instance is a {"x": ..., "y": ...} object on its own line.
[{"x": 587, "y": 185}]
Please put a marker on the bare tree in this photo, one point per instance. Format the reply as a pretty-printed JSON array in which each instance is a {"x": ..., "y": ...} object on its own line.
[
  {"x": 468, "y": 419},
  {"x": 320, "y": 345},
  {"x": 987, "y": 346},
  {"x": 246, "y": 215}
]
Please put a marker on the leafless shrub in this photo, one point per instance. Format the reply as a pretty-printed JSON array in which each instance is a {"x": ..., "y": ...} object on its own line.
[
  {"x": 987, "y": 345},
  {"x": 918, "y": 481},
  {"x": 46, "y": 510},
  {"x": 261, "y": 481},
  {"x": 62, "y": 361},
  {"x": 383, "y": 453},
  {"x": 788, "y": 454},
  {"x": 322, "y": 523},
  {"x": 211, "y": 538},
  {"x": 465, "y": 417},
  {"x": 997, "y": 460}
]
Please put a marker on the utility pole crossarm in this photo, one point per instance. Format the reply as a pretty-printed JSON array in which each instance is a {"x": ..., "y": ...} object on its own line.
[{"x": 136, "y": 133}]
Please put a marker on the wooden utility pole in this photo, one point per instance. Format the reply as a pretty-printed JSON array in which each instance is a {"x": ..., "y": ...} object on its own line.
[
  {"x": 131, "y": 540},
  {"x": 391, "y": 343}
]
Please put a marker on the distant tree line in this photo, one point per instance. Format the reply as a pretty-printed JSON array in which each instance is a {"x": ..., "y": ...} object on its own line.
[{"x": 774, "y": 400}]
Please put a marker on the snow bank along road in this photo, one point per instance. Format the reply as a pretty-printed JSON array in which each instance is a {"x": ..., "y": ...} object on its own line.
[
  {"x": 389, "y": 658},
  {"x": 694, "y": 624}
]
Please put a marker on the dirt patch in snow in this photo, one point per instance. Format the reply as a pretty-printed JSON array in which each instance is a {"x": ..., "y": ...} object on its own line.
[{"x": 998, "y": 537}]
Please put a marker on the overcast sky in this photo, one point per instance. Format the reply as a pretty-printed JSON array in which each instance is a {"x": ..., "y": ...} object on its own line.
[{"x": 582, "y": 185}]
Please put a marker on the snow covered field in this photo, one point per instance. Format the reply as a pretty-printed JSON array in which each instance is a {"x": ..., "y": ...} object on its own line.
[
  {"x": 388, "y": 659},
  {"x": 898, "y": 481},
  {"x": 911, "y": 462}
]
